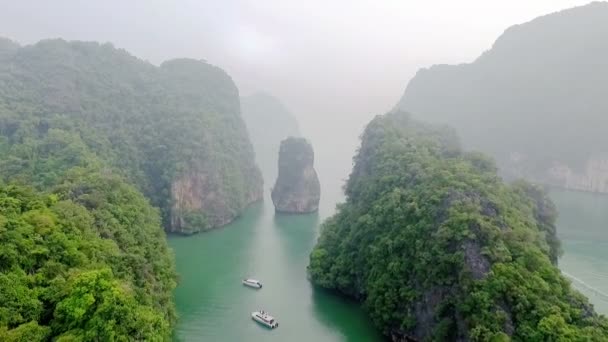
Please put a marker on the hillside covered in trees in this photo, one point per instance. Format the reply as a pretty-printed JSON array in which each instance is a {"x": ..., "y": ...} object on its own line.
[
  {"x": 98, "y": 151},
  {"x": 437, "y": 247},
  {"x": 86, "y": 261},
  {"x": 174, "y": 131},
  {"x": 535, "y": 101}
]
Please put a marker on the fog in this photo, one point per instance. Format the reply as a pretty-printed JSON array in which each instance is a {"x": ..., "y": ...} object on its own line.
[{"x": 335, "y": 64}]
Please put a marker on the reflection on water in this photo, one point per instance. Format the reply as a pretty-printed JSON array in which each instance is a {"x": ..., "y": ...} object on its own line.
[
  {"x": 297, "y": 241},
  {"x": 214, "y": 306}
]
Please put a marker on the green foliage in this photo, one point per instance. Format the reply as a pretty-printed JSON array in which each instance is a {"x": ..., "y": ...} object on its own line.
[
  {"x": 88, "y": 262},
  {"x": 91, "y": 130},
  {"x": 66, "y": 104},
  {"x": 545, "y": 213},
  {"x": 194, "y": 221},
  {"x": 437, "y": 247},
  {"x": 83, "y": 256},
  {"x": 26, "y": 332}
]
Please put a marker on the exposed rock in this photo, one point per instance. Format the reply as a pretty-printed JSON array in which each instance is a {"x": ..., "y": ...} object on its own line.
[
  {"x": 593, "y": 177},
  {"x": 478, "y": 265},
  {"x": 175, "y": 130},
  {"x": 220, "y": 178},
  {"x": 438, "y": 248},
  {"x": 297, "y": 189},
  {"x": 200, "y": 204}
]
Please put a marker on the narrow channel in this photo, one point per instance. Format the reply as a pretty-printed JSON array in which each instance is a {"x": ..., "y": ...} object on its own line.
[{"x": 213, "y": 305}]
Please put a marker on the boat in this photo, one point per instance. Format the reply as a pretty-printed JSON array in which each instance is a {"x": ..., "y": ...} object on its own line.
[
  {"x": 265, "y": 319},
  {"x": 252, "y": 283}
]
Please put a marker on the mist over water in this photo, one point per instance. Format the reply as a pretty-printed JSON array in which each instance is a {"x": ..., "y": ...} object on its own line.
[
  {"x": 335, "y": 65},
  {"x": 212, "y": 303},
  {"x": 582, "y": 224},
  {"x": 121, "y": 145}
]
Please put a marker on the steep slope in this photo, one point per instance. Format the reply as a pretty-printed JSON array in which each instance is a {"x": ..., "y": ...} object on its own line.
[
  {"x": 268, "y": 123},
  {"x": 175, "y": 131},
  {"x": 90, "y": 129},
  {"x": 535, "y": 101},
  {"x": 297, "y": 189},
  {"x": 436, "y": 247}
]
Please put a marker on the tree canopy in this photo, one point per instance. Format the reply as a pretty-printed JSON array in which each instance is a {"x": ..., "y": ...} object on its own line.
[
  {"x": 91, "y": 139},
  {"x": 150, "y": 124},
  {"x": 87, "y": 261},
  {"x": 437, "y": 247}
]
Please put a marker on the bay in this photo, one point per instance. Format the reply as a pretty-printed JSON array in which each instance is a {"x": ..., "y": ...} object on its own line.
[{"x": 213, "y": 305}]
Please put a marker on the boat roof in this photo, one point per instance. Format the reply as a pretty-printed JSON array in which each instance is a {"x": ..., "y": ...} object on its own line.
[
  {"x": 264, "y": 316},
  {"x": 252, "y": 280}
]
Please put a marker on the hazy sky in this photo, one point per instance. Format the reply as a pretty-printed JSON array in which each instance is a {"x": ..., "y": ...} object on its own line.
[{"x": 334, "y": 63}]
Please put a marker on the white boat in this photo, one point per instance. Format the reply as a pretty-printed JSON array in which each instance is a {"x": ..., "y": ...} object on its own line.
[
  {"x": 265, "y": 319},
  {"x": 252, "y": 283}
]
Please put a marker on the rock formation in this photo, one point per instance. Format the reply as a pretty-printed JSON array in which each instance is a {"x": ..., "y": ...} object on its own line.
[
  {"x": 535, "y": 101},
  {"x": 438, "y": 248},
  {"x": 297, "y": 189},
  {"x": 174, "y": 131}
]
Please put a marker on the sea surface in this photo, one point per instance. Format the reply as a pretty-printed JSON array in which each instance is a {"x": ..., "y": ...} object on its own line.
[
  {"x": 583, "y": 228},
  {"x": 213, "y": 305}
]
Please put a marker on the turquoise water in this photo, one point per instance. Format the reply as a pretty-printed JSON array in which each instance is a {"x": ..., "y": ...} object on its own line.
[
  {"x": 583, "y": 229},
  {"x": 214, "y": 306}
]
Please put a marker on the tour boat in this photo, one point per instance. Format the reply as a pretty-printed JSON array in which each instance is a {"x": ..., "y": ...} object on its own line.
[
  {"x": 252, "y": 283},
  {"x": 265, "y": 319}
]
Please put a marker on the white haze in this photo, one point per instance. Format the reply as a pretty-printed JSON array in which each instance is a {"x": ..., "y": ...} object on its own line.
[{"x": 336, "y": 63}]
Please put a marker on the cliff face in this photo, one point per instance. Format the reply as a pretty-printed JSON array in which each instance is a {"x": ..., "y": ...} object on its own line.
[
  {"x": 221, "y": 177},
  {"x": 535, "y": 101},
  {"x": 200, "y": 204},
  {"x": 589, "y": 175},
  {"x": 268, "y": 123},
  {"x": 297, "y": 189},
  {"x": 438, "y": 248},
  {"x": 593, "y": 177},
  {"x": 175, "y": 131}
]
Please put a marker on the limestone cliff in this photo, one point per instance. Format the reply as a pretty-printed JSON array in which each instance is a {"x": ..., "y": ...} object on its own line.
[
  {"x": 175, "y": 130},
  {"x": 590, "y": 175},
  {"x": 438, "y": 248},
  {"x": 297, "y": 189},
  {"x": 535, "y": 101},
  {"x": 593, "y": 177},
  {"x": 200, "y": 203},
  {"x": 221, "y": 177}
]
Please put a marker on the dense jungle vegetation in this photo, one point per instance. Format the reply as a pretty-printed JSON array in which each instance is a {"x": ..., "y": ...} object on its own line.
[
  {"x": 150, "y": 124},
  {"x": 437, "y": 247},
  {"x": 84, "y": 261},
  {"x": 91, "y": 139}
]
